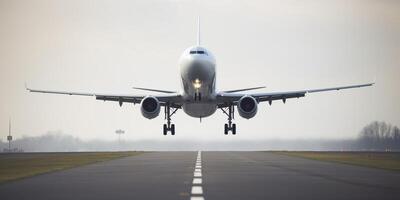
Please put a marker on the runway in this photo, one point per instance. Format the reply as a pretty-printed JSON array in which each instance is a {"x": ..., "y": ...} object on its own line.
[{"x": 219, "y": 175}]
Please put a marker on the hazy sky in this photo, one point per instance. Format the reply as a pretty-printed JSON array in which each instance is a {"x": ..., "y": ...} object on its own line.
[{"x": 110, "y": 46}]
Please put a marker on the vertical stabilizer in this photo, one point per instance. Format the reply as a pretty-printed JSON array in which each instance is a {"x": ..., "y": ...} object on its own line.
[{"x": 198, "y": 31}]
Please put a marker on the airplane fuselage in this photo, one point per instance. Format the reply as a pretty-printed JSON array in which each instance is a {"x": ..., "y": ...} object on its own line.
[{"x": 198, "y": 75}]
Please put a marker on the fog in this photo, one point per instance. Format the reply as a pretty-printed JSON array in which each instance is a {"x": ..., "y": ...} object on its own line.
[
  {"x": 58, "y": 142},
  {"x": 377, "y": 136}
]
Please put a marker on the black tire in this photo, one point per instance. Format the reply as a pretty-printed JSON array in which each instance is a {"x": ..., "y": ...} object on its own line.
[
  {"x": 226, "y": 129},
  {"x": 234, "y": 129},
  {"x": 165, "y": 129},
  {"x": 172, "y": 129}
]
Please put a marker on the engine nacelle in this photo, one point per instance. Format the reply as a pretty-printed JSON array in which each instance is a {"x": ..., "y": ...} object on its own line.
[
  {"x": 247, "y": 107},
  {"x": 150, "y": 107}
]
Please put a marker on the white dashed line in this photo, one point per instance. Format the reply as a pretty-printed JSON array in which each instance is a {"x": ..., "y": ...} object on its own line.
[
  {"x": 197, "y": 189},
  {"x": 197, "y": 181},
  {"x": 196, "y": 198},
  {"x": 197, "y": 174}
]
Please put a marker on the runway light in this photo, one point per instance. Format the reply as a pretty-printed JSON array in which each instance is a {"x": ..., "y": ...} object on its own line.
[{"x": 197, "y": 83}]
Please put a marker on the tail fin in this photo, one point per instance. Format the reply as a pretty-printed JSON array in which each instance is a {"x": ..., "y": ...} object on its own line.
[{"x": 198, "y": 31}]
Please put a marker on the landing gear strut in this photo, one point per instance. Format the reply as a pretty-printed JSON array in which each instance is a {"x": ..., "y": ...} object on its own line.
[
  {"x": 230, "y": 112},
  {"x": 167, "y": 115}
]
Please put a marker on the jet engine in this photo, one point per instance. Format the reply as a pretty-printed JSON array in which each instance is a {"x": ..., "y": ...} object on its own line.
[
  {"x": 247, "y": 107},
  {"x": 150, "y": 107}
]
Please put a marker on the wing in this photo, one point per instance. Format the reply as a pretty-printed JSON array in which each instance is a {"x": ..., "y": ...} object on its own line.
[
  {"x": 225, "y": 99},
  {"x": 173, "y": 99},
  {"x": 154, "y": 90},
  {"x": 243, "y": 89}
]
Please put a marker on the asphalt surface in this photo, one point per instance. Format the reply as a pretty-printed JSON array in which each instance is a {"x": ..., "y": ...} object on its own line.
[{"x": 222, "y": 175}]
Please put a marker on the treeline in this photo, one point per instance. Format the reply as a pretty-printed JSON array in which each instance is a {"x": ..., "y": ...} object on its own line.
[
  {"x": 376, "y": 136},
  {"x": 380, "y": 136}
]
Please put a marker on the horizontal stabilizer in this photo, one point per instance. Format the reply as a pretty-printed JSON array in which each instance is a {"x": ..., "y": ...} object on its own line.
[
  {"x": 244, "y": 89},
  {"x": 154, "y": 90}
]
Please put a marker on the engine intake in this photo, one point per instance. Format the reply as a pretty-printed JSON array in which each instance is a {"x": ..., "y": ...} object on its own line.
[
  {"x": 247, "y": 107},
  {"x": 150, "y": 107}
]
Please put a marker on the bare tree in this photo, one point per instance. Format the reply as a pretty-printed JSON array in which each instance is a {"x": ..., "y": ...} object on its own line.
[{"x": 380, "y": 136}]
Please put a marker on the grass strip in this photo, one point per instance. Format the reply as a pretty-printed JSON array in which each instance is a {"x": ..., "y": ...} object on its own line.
[
  {"x": 381, "y": 160},
  {"x": 15, "y": 166}
]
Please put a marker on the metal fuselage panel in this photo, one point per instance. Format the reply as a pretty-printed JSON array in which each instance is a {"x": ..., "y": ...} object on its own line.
[{"x": 198, "y": 82}]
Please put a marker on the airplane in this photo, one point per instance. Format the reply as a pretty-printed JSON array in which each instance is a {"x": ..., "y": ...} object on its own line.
[{"x": 198, "y": 96}]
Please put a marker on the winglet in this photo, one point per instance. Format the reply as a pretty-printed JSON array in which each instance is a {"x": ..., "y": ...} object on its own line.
[{"x": 198, "y": 31}]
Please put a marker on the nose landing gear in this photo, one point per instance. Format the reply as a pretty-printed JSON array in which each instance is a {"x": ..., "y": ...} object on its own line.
[
  {"x": 167, "y": 115},
  {"x": 197, "y": 96},
  {"x": 230, "y": 112}
]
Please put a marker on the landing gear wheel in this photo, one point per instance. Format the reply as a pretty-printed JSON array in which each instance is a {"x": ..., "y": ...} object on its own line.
[
  {"x": 165, "y": 129},
  {"x": 226, "y": 129},
  {"x": 233, "y": 129},
  {"x": 172, "y": 129}
]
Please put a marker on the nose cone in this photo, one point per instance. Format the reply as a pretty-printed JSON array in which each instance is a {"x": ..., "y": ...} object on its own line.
[{"x": 199, "y": 71}]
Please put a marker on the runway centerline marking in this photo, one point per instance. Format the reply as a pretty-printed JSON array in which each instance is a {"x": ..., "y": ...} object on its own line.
[
  {"x": 197, "y": 188},
  {"x": 197, "y": 174},
  {"x": 197, "y": 181}
]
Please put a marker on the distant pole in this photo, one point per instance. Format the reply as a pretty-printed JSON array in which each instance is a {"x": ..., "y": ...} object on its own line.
[
  {"x": 119, "y": 132},
  {"x": 9, "y": 137}
]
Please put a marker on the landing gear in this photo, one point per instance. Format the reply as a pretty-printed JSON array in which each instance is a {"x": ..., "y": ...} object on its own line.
[
  {"x": 197, "y": 96},
  {"x": 230, "y": 112},
  {"x": 167, "y": 115}
]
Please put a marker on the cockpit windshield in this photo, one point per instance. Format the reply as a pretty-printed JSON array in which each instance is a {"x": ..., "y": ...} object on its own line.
[{"x": 198, "y": 52}]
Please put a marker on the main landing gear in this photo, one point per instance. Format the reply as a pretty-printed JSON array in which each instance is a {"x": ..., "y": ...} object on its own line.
[
  {"x": 167, "y": 115},
  {"x": 230, "y": 112}
]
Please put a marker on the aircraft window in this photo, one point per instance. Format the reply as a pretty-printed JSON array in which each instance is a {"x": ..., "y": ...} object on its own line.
[
  {"x": 200, "y": 52},
  {"x": 192, "y": 52}
]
